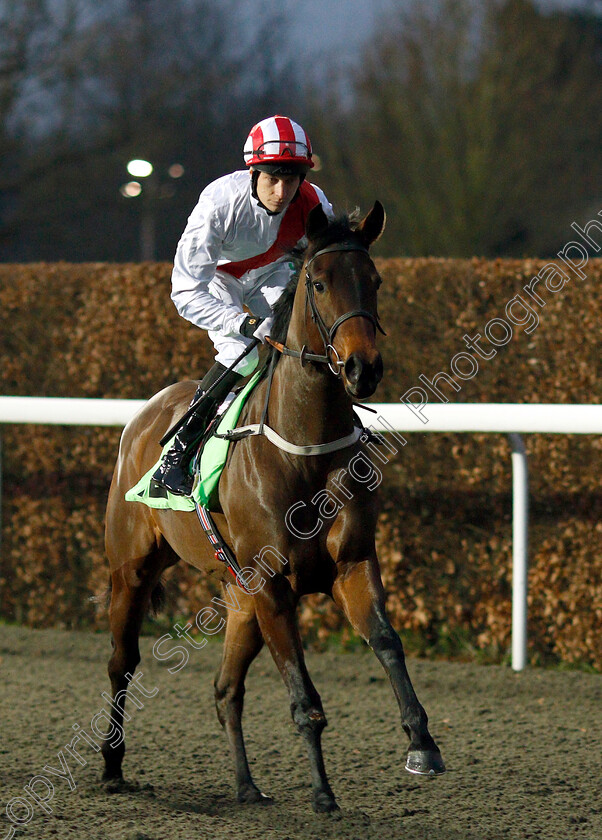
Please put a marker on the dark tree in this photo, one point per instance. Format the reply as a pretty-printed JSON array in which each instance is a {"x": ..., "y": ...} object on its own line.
[{"x": 477, "y": 125}]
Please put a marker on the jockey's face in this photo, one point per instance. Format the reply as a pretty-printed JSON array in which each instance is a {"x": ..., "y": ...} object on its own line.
[{"x": 277, "y": 191}]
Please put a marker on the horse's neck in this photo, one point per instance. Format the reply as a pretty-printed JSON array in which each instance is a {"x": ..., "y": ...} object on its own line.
[{"x": 310, "y": 405}]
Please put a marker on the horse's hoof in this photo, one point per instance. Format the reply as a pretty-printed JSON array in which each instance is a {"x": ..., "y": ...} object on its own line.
[
  {"x": 324, "y": 803},
  {"x": 111, "y": 778},
  {"x": 425, "y": 763},
  {"x": 251, "y": 795},
  {"x": 117, "y": 784}
]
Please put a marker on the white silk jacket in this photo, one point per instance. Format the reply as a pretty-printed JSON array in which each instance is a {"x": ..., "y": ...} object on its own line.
[{"x": 229, "y": 232}]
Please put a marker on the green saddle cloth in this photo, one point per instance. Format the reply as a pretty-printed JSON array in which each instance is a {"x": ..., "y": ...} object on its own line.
[{"x": 213, "y": 458}]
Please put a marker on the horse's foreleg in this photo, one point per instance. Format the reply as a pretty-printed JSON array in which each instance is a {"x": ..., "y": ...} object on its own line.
[
  {"x": 242, "y": 644},
  {"x": 275, "y": 608},
  {"x": 358, "y": 590}
]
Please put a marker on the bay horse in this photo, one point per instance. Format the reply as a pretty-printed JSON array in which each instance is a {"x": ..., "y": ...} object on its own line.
[{"x": 268, "y": 497}]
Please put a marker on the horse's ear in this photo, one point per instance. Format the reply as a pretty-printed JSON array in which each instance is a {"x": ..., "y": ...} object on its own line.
[
  {"x": 373, "y": 225},
  {"x": 317, "y": 222}
]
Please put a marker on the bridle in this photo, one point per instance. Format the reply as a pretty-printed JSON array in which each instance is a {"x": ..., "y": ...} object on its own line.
[
  {"x": 330, "y": 356},
  {"x": 334, "y": 364}
]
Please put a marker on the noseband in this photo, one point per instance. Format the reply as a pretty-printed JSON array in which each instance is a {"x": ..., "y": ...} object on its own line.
[
  {"x": 335, "y": 365},
  {"x": 330, "y": 357}
]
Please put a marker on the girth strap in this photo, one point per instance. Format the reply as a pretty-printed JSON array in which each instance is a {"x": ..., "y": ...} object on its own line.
[{"x": 292, "y": 448}]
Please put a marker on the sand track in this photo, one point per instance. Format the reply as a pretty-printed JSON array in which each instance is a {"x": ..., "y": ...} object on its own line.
[{"x": 523, "y": 750}]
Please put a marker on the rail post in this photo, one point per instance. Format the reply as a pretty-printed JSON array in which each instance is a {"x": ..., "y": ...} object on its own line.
[{"x": 520, "y": 548}]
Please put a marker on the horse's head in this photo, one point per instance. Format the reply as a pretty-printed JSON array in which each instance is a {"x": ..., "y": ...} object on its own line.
[{"x": 341, "y": 284}]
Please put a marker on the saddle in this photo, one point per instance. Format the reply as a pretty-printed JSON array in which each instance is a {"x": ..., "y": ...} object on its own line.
[{"x": 207, "y": 464}]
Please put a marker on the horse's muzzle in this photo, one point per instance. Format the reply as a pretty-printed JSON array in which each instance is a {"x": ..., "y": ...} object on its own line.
[{"x": 362, "y": 376}]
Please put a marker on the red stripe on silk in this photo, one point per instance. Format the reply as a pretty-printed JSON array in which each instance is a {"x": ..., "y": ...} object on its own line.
[
  {"x": 285, "y": 131},
  {"x": 292, "y": 229},
  {"x": 257, "y": 135}
]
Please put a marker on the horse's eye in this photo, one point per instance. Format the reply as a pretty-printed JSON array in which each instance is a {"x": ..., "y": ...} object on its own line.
[{"x": 319, "y": 287}]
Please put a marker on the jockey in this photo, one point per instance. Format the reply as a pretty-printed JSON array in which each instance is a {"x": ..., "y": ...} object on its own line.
[{"x": 235, "y": 253}]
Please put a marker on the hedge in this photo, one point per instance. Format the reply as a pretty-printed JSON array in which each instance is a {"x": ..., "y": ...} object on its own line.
[{"x": 444, "y": 537}]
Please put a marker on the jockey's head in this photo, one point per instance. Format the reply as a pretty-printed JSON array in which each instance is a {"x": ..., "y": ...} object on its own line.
[{"x": 278, "y": 154}]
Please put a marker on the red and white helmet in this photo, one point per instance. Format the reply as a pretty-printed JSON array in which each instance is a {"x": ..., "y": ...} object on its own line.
[{"x": 278, "y": 143}]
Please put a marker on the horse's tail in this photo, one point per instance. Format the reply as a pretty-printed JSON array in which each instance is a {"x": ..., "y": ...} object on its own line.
[
  {"x": 104, "y": 597},
  {"x": 157, "y": 599}
]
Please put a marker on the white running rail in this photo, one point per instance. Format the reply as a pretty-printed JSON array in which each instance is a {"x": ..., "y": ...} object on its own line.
[{"x": 506, "y": 418}]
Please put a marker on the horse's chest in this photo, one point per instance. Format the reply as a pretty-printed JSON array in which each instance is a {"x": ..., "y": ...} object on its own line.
[{"x": 312, "y": 569}]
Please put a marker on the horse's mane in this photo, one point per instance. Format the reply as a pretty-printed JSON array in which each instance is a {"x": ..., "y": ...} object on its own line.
[{"x": 338, "y": 230}]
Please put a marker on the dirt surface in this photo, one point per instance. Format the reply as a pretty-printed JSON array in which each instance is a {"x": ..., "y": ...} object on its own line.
[{"x": 523, "y": 751}]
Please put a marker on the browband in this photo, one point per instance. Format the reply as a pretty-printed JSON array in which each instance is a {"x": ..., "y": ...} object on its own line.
[{"x": 338, "y": 246}]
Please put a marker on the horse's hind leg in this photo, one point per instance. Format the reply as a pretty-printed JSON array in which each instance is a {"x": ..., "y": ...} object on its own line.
[
  {"x": 132, "y": 585},
  {"x": 242, "y": 644},
  {"x": 358, "y": 591}
]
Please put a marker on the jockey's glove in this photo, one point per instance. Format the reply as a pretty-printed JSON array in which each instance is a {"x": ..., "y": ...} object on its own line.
[
  {"x": 249, "y": 325},
  {"x": 253, "y": 327},
  {"x": 264, "y": 328}
]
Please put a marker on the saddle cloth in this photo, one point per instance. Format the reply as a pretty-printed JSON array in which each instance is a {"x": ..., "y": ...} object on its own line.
[{"x": 210, "y": 465}]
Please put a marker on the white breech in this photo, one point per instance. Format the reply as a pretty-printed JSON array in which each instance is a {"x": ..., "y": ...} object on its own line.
[{"x": 259, "y": 296}]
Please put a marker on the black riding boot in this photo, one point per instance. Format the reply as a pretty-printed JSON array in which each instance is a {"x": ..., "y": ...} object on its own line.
[{"x": 173, "y": 472}]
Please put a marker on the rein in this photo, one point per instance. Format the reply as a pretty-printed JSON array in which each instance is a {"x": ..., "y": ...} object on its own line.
[{"x": 261, "y": 428}]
